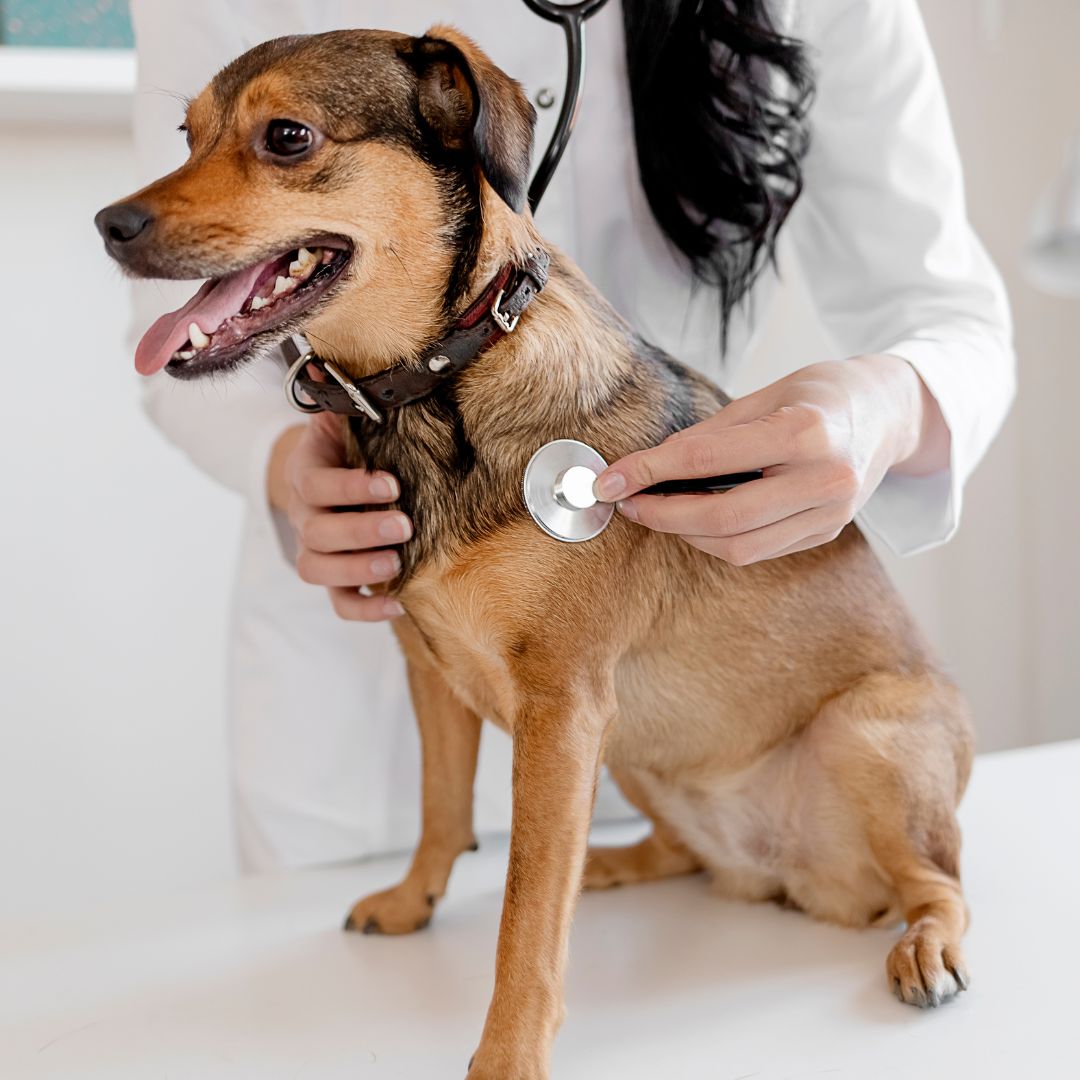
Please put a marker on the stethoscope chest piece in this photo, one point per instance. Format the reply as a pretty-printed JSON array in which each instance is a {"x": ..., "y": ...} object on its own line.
[{"x": 558, "y": 491}]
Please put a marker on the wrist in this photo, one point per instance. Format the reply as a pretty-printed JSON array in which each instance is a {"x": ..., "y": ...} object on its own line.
[
  {"x": 901, "y": 397},
  {"x": 907, "y": 394},
  {"x": 924, "y": 444},
  {"x": 277, "y": 483}
]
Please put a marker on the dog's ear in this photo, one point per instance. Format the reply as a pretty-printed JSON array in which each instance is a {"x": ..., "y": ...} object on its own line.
[{"x": 470, "y": 103}]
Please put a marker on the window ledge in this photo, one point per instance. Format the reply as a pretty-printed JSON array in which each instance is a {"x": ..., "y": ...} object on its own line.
[{"x": 66, "y": 88}]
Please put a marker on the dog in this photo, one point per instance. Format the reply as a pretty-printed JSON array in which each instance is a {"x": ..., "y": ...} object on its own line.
[{"x": 783, "y": 725}]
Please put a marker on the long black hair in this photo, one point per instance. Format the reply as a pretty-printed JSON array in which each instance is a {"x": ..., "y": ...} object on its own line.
[{"x": 720, "y": 100}]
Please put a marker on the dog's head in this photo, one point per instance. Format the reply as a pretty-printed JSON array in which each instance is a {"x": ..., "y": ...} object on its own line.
[{"x": 343, "y": 184}]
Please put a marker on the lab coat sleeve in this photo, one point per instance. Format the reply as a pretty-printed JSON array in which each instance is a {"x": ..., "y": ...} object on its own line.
[
  {"x": 892, "y": 263},
  {"x": 225, "y": 425},
  {"x": 228, "y": 428}
]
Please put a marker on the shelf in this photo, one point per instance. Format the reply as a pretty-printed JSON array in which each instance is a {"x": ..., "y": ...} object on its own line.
[{"x": 66, "y": 87}]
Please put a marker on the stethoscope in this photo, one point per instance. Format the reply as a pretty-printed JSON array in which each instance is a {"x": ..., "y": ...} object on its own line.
[
  {"x": 572, "y": 18},
  {"x": 558, "y": 483}
]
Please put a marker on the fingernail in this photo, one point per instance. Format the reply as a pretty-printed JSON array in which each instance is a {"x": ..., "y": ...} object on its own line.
[
  {"x": 393, "y": 609},
  {"x": 395, "y": 527},
  {"x": 628, "y": 509},
  {"x": 609, "y": 486},
  {"x": 387, "y": 565},
  {"x": 384, "y": 486}
]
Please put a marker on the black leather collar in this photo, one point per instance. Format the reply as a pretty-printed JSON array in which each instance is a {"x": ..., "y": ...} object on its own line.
[{"x": 317, "y": 385}]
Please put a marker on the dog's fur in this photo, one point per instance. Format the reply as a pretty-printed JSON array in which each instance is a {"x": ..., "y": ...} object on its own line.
[{"x": 783, "y": 724}]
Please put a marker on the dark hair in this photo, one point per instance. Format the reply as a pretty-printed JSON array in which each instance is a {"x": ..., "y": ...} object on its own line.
[{"x": 720, "y": 101}]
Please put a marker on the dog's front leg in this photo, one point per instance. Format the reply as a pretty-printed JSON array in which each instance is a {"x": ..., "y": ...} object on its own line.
[
  {"x": 449, "y": 742},
  {"x": 557, "y": 748}
]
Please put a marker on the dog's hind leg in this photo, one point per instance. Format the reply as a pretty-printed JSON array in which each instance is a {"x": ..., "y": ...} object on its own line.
[
  {"x": 658, "y": 855},
  {"x": 900, "y": 748},
  {"x": 926, "y": 966},
  {"x": 450, "y": 741}
]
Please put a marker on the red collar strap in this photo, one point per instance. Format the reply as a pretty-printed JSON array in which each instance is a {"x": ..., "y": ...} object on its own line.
[{"x": 494, "y": 315}]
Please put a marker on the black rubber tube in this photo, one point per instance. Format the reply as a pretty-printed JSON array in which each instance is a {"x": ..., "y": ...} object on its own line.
[{"x": 572, "y": 19}]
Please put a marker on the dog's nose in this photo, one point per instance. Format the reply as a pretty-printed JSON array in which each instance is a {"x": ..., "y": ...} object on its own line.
[{"x": 121, "y": 223}]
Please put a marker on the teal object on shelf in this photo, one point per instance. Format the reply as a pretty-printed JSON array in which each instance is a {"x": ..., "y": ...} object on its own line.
[{"x": 88, "y": 24}]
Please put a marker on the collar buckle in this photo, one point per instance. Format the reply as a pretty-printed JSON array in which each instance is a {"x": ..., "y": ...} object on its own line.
[
  {"x": 507, "y": 323},
  {"x": 304, "y": 354},
  {"x": 356, "y": 395}
]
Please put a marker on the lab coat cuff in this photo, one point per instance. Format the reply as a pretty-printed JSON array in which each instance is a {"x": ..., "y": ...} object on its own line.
[
  {"x": 268, "y": 520},
  {"x": 913, "y": 514}
]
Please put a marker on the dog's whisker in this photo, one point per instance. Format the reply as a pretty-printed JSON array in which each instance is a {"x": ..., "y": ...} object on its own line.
[
  {"x": 401, "y": 262},
  {"x": 161, "y": 91}
]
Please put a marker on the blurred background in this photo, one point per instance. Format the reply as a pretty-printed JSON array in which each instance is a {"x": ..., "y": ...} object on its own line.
[{"x": 118, "y": 555}]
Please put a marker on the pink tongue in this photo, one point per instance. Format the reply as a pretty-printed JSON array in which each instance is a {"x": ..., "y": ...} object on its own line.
[{"x": 215, "y": 302}]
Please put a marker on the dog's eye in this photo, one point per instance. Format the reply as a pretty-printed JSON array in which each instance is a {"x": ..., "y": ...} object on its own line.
[{"x": 287, "y": 138}]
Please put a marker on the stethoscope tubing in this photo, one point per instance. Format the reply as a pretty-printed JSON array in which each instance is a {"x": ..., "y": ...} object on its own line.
[{"x": 572, "y": 19}]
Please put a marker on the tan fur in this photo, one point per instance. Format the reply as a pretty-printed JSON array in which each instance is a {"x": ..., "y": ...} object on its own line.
[{"x": 783, "y": 724}]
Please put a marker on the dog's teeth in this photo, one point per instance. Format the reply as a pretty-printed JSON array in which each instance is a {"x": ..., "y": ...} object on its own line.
[
  {"x": 187, "y": 354},
  {"x": 198, "y": 338},
  {"x": 303, "y": 264},
  {"x": 283, "y": 285},
  {"x": 258, "y": 302}
]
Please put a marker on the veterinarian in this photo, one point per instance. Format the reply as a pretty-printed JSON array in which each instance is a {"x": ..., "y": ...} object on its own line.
[{"x": 323, "y": 745}]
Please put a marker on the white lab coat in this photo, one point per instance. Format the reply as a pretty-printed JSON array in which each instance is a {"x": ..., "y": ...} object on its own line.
[{"x": 325, "y": 766}]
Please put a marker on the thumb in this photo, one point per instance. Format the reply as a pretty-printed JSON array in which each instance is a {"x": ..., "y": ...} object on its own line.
[
  {"x": 327, "y": 425},
  {"x": 695, "y": 456},
  {"x": 324, "y": 441}
]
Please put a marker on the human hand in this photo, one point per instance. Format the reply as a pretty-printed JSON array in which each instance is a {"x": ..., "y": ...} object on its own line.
[
  {"x": 343, "y": 551},
  {"x": 824, "y": 436}
]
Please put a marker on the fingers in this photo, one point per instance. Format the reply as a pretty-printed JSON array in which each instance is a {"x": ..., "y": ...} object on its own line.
[
  {"x": 751, "y": 506},
  {"x": 772, "y": 540},
  {"x": 349, "y": 569},
  {"x": 356, "y": 607},
  {"x": 742, "y": 448},
  {"x": 328, "y": 532},
  {"x": 342, "y": 551},
  {"x": 332, "y": 486}
]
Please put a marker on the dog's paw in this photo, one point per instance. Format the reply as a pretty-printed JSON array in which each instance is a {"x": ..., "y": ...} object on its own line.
[
  {"x": 925, "y": 970},
  {"x": 606, "y": 867},
  {"x": 399, "y": 910},
  {"x": 649, "y": 860}
]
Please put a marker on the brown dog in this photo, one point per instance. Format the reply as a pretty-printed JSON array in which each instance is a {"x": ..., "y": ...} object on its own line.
[{"x": 782, "y": 724}]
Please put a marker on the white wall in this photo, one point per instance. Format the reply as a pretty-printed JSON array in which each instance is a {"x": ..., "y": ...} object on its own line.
[
  {"x": 117, "y": 555},
  {"x": 116, "y": 567}
]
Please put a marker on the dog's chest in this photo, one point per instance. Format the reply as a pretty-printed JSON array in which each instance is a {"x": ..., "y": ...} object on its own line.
[
  {"x": 472, "y": 667},
  {"x": 463, "y": 639},
  {"x": 484, "y": 616}
]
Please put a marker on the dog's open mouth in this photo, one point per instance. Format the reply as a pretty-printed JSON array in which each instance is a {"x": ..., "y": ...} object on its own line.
[{"x": 215, "y": 328}]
